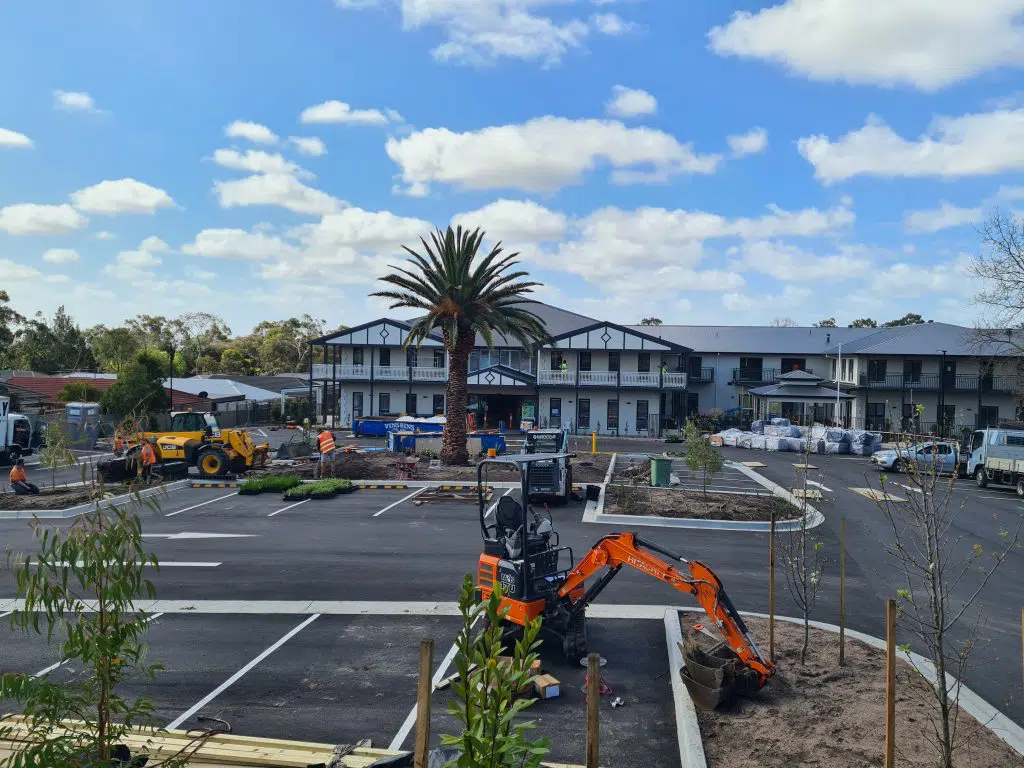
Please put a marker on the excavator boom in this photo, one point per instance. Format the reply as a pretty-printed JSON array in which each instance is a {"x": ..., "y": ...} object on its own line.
[{"x": 618, "y": 549}]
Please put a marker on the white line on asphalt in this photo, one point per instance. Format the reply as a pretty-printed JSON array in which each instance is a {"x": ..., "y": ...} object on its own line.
[
  {"x": 819, "y": 485},
  {"x": 240, "y": 673},
  {"x": 403, "y": 732},
  {"x": 910, "y": 488},
  {"x": 417, "y": 492},
  {"x": 4, "y": 615},
  {"x": 290, "y": 506},
  {"x": 197, "y": 506},
  {"x": 494, "y": 506},
  {"x": 59, "y": 664},
  {"x": 262, "y": 433}
]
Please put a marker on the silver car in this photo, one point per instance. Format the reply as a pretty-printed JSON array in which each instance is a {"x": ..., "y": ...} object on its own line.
[{"x": 943, "y": 456}]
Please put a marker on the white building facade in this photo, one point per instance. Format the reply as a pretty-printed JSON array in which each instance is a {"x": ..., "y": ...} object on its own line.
[{"x": 597, "y": 376}]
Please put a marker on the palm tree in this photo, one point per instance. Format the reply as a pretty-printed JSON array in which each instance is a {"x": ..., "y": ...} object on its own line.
[{"x": 462, "y": 300}]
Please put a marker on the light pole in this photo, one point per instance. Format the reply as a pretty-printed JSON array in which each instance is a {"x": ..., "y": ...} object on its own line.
[
  {"x": 170, "y": 372},
  {"x": 942, "y": 393}
]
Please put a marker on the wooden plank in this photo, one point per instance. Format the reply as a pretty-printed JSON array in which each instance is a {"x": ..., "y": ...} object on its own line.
[
  {"x": 593, "y": 711},
  {"x": 809, "y": 493},
  {"x": 753, "y": 464}
]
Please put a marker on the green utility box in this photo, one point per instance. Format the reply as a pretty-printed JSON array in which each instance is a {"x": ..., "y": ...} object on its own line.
[{"x": 661, "y": 471}]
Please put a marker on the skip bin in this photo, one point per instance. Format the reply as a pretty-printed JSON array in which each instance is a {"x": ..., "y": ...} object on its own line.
[{"x": 661, "y": 471}]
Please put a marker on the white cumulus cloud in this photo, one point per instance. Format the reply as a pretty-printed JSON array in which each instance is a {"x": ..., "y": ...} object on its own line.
[
  {"x": 752, "y": 142},
  {"x": 60, "y": 255},
  {"x": 308, "y": 145},
  {"x": 254, "y": 132},
  {"x": 121, "y": 196},
  {"x": 258, "y": 161},
  {"x": 954, "y": 147},
  {"x": 946, "y": 216},
  {"x": 276, "y": 189},
  {"x": 74, "y": 101},
  {"x": 334, "y": 111},
  {"x": 237, "y": 244},
  {"x": 516, "y": 221},
  {"x": 927, "y": 45},
  {"x": 32, "y": 219},
  {"x": 104, "y": 235},
  {"x": 631, "y": 102},
  {"x": 15, "y": 272},
  {"x": 542, "y": 155},
  {"x": 14, "y": 140}
]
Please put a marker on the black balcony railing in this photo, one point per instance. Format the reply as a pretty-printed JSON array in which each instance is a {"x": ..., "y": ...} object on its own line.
[
  {"x": 762, "y": 375},
  {"x": 924, "y": 382},
  {"x": 702, "y": 376},
  {"x": 933, "y": 382}
]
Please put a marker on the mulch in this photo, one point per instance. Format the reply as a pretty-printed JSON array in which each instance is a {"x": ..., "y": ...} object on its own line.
[
  {"x": 666, "y": 502},
  {"x": 47, "y": 498}
]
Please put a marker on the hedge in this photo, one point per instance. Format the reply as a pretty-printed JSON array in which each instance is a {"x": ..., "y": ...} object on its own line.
[
  {"x": 321, "y": 489},
  {"x": 269, "y": 484}
]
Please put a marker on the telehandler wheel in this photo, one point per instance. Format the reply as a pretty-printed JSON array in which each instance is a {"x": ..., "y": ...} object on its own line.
[{"x": 213, "y": 463}]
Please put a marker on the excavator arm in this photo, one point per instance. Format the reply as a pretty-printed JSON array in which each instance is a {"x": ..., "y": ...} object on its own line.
[{"x": 619, "y": 549}]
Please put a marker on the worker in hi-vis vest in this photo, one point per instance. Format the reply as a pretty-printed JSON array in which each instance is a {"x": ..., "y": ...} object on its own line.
[
  {"x": 148, "y": 457},
  {"x": 325, "y": 442}
]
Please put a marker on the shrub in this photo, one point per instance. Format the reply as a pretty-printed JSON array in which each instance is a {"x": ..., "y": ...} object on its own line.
[
  {"x": 321, "y": 489},
  {"x": 269, "y": 484}
]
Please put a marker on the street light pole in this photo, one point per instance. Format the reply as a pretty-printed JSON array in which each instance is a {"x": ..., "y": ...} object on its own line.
[
  {"x": 170, "y": 353},
  {"x": 942, "y": 393}
]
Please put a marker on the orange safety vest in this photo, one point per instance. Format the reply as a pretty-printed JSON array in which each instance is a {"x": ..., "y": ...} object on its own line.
[
  {"x": 326, "y": 441},
  {"x": 148, "y": 455},
  {"x": 18, "y": 475}
]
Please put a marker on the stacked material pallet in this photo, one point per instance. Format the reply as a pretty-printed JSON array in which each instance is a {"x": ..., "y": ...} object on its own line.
[{"x": 224, "y": 749}]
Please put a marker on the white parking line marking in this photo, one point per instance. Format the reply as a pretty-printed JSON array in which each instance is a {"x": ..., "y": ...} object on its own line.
[
  {"x": 197, "y": 506},
  {"x": 403, "y": 732},
  {"x": 910, "y": 488},
  {"x": 262, "y": 433},
  {"x": 494, "y": 506},
  {"x": 59, "y": 664},
  {"x": 290, "y": 506},
  {"x": 819, "y": 485},
  {"x": 240, "y": 674},
  {"x": 5, "y": 615},
  {"x": 417, "y": 492}
]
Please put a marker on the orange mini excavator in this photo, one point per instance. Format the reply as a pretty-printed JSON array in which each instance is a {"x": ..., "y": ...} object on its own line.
[{"x": 540, "y": 578}]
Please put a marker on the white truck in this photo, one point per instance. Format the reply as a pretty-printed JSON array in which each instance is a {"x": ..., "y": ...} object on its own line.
[
  {"x": 997, "y": 456},
  {"x": 15, "y": 433}
]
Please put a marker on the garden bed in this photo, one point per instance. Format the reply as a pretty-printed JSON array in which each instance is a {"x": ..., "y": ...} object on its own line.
[
  {"x": 829, "y": 716},
  {"x": 694, "y": 505},
  {"x": 48, "y": 498}
]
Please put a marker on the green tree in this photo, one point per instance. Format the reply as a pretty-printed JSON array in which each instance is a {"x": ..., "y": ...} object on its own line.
[
  {"x": 140, "y": 390},
  {"x": 207, "y": 364},
  {"x": 235, "y": 360},
  {"x": 701, "y": 456},
  {"x": 864, "y": 322},
  {"x": 828, "y": 322},
  {"x": 79, "y": 392},
  {"x": 54, "y": 345},
  {"x": 9, "y": 321},
  {"x": 282, "y": 346},
  {"x": 487, "y": 701},
  {"x": 911, "y": 318},
  {"x": 651, "y": 321},
  {"x": 462, "y": 298},
  {"x": 194, "y": 333},
  {"x": 57, "y": 451},
  {"x": 113, "y": 348},
  {"x": 151, "y": 330}
]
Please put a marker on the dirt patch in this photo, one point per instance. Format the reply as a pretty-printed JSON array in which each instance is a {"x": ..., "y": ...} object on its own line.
[
  {"x": 381, "y": 466},
  {"x": 666, "y": 502},
  {"x": 829, "y": 716},
  {"x": 62, "y": 498}
]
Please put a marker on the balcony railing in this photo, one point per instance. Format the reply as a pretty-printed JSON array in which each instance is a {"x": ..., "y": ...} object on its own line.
[
  {"x": 324, "y": 372},
  {"x": 755, "y": 375},
  {"x": 972, "y": 382},
  {"x": 613, "y": 379},
  {"x": 675, "y": 380},
  {"x": 597, "y": 378},
  {"x": 639, "y": 379},
  {"x": 706, "y": 375}
]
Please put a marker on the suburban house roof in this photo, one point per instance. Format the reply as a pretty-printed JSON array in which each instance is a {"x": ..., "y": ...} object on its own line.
[
  {"x": 223, "y": 390},
  {"x": 47, "y": 388},
  {"x": 269, "y": 383}
]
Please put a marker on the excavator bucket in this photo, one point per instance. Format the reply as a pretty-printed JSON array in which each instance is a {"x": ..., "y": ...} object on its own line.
[{"x": 714, "y": 676}]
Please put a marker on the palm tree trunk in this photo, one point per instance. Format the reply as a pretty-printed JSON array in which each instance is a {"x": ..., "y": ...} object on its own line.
[{"x": 453, "y": 443}]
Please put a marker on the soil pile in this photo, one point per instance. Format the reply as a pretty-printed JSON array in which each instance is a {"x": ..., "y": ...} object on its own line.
[
  {"x": 666, "y": 502},
  {"x": 47, "y": 498}
]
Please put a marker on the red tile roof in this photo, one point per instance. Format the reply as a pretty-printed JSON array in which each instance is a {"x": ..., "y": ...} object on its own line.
[{"x": 47, "y": 388}]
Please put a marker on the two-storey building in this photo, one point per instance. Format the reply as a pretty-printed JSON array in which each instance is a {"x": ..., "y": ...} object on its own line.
[{"x": 636, "y": 380}]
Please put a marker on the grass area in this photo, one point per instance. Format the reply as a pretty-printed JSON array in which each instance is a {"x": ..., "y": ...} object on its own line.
[
  {"x": 321, "y": 489},
  {"x": 269, "y": 484}
]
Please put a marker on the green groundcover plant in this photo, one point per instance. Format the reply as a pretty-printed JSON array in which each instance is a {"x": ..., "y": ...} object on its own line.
[
  {"x": 321, "y": 489},
  {"x": 269, "y": 484}
]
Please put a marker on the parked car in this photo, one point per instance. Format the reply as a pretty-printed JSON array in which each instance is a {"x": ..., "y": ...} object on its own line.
[{"x": 943, "y": 455}]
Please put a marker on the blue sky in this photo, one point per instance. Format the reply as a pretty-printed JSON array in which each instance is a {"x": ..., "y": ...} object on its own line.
[{"x": 706, "y": 163}]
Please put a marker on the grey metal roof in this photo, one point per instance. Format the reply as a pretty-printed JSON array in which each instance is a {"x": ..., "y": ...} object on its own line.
[
  {"x": 932, "y": 339},
  {"x": 557, "y": 321},
  {"x": 799, "y": 376},
  {"x": 805, "y": 392},
  {"x": 271, "y": 383},
  {"x": 754, "y": 339}
]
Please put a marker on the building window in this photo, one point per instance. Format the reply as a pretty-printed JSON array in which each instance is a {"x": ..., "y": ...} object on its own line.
[
  {"x": 438, "y": 358},
  {"x": 585, "y": 361},
  {"x": 794, "y": 364},
  {"x": 875, "y": 416},
  {"x": 847, "y": 370},
  {"x": 555, "y": 409},
  {"x": 556, "y": 360},
  {"x": 583, "y": 413},
  {"x": 384, "y": 404},
  {"x": 357, "y": 356},
  {"x": 357, "y": 405},
  {"x": 751, "y": 368},
  {"x": 876, "y": 370},
  {"x": 911, "y": 372},
  {"x": 643, "y": 362},
  {"x": 947, "y": 417},
  {"x": 410, "y": 404},
  {"x": 613, "y": 361},
  {"x": 988, "y": 416},
  {"x": 384, "y": 358},
  {"x": 835, "y": 368},
  {"x": 613, "y": 414},
  {"x": 438, "y": 405},
  {"x": 642, "y": 414}
]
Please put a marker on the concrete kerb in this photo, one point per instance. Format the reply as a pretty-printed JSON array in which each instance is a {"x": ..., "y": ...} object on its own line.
[
  {"x": 970, "y": 702},
  {"x": 691, "y": 745},
  {"x": 594, "y": 513},
  {"x": 81, "y": 509}
]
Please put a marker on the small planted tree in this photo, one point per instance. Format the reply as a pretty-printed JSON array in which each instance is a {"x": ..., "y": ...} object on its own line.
[
  {"x": 701, "y": 456},
  {"x": 487, "y": 692},
  {"x": 802, "y": 555},
  {"x": 938, "y": 581},
  {"x": 80, "y": 590},
  {"x": 57, "y": 451}
]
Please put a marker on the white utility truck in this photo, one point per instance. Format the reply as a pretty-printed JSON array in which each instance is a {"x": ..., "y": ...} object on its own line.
[
  {"x": 15, "y": 433},
  {"x": 997, "y": 456}
]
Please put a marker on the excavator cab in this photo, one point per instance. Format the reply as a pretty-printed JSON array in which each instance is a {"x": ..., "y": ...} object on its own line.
[{"x": 540, "y": 578}]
